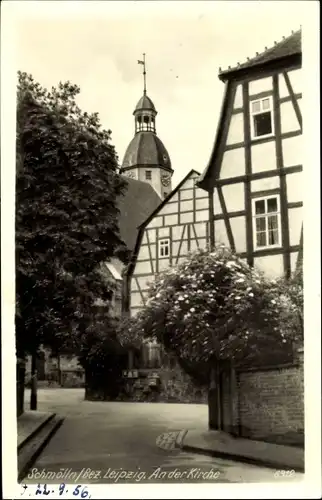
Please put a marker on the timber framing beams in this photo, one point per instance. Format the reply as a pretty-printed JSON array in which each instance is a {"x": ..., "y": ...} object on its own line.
[
  {"x": 293, "y": 99},
  {"x": 248, "y": 170},
  {"x": 259, "y": 175},
  {"x": 226, "y": 219},
  {"x": 283, "y": 187}
]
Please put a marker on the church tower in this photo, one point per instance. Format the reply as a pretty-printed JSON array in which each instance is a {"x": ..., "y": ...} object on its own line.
[{"x": 146, "y": 159}]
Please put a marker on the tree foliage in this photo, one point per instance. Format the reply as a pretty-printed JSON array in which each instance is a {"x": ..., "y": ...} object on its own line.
[
  {"x": 66, "y": 216},
  {"x": 214, "y": 306}
]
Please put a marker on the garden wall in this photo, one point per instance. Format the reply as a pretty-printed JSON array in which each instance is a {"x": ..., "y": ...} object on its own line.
[
  {"x": 266, "y": 403},
  {"x": 169, "y": 385}
]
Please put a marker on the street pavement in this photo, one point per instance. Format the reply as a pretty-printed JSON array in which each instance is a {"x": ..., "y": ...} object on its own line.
[{"x": 103, "y": 442}]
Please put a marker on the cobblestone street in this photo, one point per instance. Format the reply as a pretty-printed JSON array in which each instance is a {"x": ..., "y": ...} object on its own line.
[{"x": 105, "y": 439}]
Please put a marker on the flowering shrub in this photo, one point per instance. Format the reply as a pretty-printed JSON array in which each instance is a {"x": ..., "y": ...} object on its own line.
[{"x": 214, "y": 305}]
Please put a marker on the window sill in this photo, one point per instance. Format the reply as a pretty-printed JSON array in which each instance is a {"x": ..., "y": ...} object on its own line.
[
  {"x": 266, "y": 136},
  {"x": 269, "y": 247}
]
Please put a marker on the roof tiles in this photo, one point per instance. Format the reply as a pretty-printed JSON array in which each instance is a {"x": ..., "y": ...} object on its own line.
[{"x": 289, "y": 46}]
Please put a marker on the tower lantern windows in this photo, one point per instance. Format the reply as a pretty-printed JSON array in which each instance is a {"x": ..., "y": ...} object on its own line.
[{"x": 145, "y": 122}]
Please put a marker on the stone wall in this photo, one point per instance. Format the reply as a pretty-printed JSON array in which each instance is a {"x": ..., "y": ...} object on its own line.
[
  {"x": 271, "y": 404},
  {"x": 170, "y": 385},
  {"x": 265, "y": 403}
]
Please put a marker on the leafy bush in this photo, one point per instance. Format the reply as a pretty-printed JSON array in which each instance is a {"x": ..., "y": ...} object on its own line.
[{"x": 214, "y": 306}]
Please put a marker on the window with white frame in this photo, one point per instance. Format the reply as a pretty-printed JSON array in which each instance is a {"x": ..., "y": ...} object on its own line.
[
  {"x": 261, "y": 112},
  {"x": 164, "y": 247},
  {"x": 148, "y": 175},
  {"x": 266, "y": 216}
]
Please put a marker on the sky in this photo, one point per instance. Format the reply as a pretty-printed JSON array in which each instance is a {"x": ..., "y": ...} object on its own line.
[{"x": 97, "y": 44}]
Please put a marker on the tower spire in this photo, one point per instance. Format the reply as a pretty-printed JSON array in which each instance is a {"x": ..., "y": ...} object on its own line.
[{"x": 144, "y": 73}]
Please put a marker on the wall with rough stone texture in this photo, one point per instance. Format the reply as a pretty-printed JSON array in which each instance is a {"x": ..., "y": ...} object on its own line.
[
  {"x": 265, "y": 403},
  {"x": 271, "y": 403},
  {"x": 170, "y": 385}
]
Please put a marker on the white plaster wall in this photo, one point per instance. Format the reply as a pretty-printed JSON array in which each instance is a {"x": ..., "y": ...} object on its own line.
[
  {"x": 292, "y": 151},
  {"x": 289, "y": 121},
  {"x": 186, "y": 217},
  {"x": 185, "y": 206},
  {"x": 299, "y": 102},
  {"x": 233, "y": 163},
  {"x": 164, "y": 232},
  {"x": 174, "y": 197},
  {"x": 236, "y": 129},
  {"x": 183, "y": 249},
  {"x": 170, "y": 220},
  {"x": 270, "y": 265},
  {"x": 234, "y": 196},
  {"x": 201, "y": 193},
  {"x": 295, "y": 217},
  {"x": 260, "y": 85},
  {"x": 190, "y": 182},
  {"x": 194, "y": 246},
  {"x": 221, "y": 233},
  {"x": 186, "y": 194},
  {"x": 155, "y": 222},
  {"x": 265, "y": 184},
  {"x": 143, "y": 253},
  {"x": 202, "y": 203},
  {"x": 202, "y": 215},
  {"x": 149, "y": 234},
  {"x": 169, "y": 208},
  {"x": 282, "y": 88},
  {"x": 238, "y": 227},
  {"x": 294, "y": 256},
  {"x": 294, "y": 187},
  {"x": 143, "y": 268},
  {"x": 144, "y": 281},
  {"x": 177, "y": 232},
  {"x": 217, "y": 205},
  {"x": 296, "y": 78},
  {"x": 263, "y": 157},
  {"x": 238, "y": 102},
  {"x": 200, "y": 228},
  {"x": 156, "y": 178},
  {"x": 134, "y": 286}
]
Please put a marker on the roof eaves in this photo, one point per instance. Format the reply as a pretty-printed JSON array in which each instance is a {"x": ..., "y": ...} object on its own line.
[
  {"x": 202, "y": 179},
  {"x": 262, "y": 58}
]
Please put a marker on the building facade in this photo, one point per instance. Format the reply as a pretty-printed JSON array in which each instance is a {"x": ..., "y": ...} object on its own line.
[
  {"x": 177, "y": 227},
  {"x": 254, "y": 176},
  {"x": 249, "y": 197}
]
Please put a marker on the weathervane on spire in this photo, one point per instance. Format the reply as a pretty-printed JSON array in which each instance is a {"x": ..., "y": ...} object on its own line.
[{"x": 144, "y": 72}]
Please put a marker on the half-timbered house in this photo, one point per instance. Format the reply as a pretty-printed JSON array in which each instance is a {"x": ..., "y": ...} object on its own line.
[
  {"x": 177, "y": 227},
  {"x": 254, "y": 176}
]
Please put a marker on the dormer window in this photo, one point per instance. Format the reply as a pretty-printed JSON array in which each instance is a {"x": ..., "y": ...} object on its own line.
[{"x": 261, "y": 112}]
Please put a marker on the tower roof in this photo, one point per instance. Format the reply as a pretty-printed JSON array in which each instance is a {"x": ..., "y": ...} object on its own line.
[
  {"x": 145, "y": 103},
  {"x": 146, "y": 149}
]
